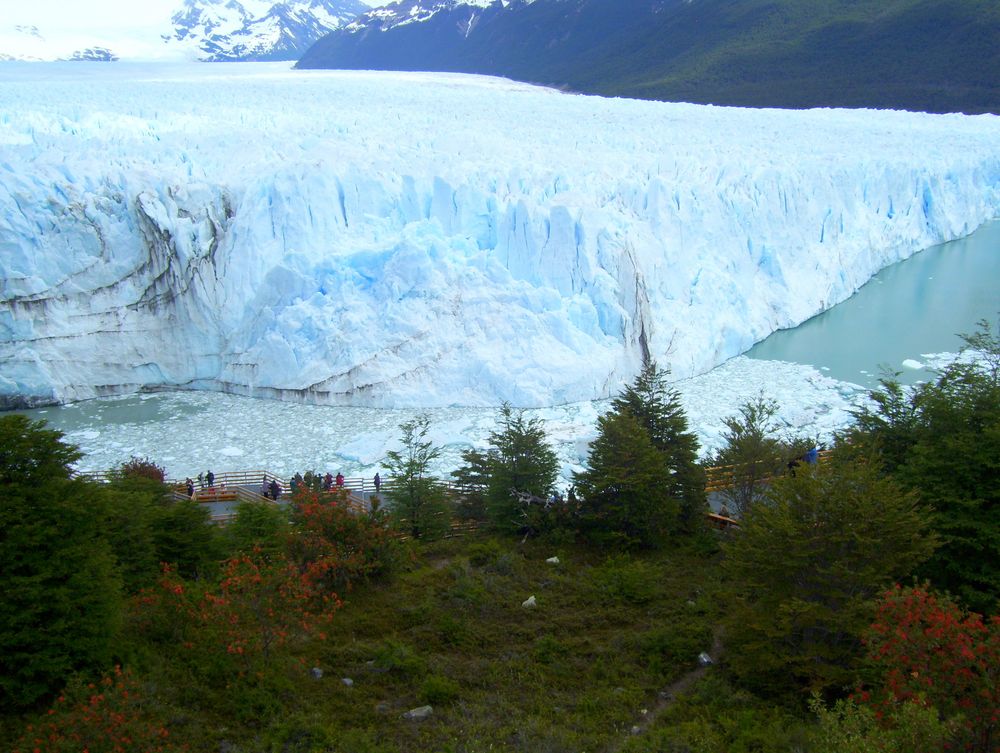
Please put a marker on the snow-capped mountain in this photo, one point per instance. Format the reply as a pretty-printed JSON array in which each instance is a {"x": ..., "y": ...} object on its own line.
[
  {"x": 230, "y": 30},
  {"x": 94, "y": 54},
  {"x": 22, "y": 42},
  {"x": 404, "y": 12}
]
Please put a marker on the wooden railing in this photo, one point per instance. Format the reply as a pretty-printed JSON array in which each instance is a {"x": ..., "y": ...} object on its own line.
[{"x": 721, "y": 477}]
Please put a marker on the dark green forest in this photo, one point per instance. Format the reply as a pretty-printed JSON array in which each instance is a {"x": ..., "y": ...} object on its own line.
[
  {"x": 920, "y": 55},
  {"x": 854, "y": 607}
]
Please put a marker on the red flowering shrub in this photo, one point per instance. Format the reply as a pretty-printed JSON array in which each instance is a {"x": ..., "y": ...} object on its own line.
[
  {"x": 260, "y": 605},
  {"x": 136, "y": 467},
  {"x": 335, "y": 544},
  {"x": 930, "y": 651},
  {"x": 107, "y": 717}
]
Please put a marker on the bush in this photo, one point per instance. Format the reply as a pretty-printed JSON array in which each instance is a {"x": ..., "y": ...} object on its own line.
[
  {"x": 110, "y": 716},
  {"x": 258, "y": 525},
  {"x": 623, "y": 579},
  {"x": 136, "y": 467},
  {"x": 675, "y": 645},
  {"x": 548, "y": 649},
  {"x": 396, "y": 656},
  {"x": 335, "y": 546},
  {"x": 438, "y": 690}
]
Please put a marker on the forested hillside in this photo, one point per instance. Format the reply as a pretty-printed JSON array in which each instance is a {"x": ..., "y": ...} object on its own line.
[{"x": 923, "y": 55}]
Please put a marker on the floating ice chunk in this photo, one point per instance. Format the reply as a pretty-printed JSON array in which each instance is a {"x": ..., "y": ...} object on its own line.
[
  {"x": 909, "y": 363},
  {"x": 232, "y": 452}
]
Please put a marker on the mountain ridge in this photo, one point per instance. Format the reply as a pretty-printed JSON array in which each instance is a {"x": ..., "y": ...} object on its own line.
[
  {"x": 228, "y": 30},
  {"x": 932, "y": 55}
]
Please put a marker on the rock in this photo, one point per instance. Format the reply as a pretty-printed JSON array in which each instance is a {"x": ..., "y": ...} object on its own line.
[
  {"x": 317, "y": 673},
  {"x": 553, "y": 560},
  {"x": 636, "y": 729},
  {"x": 347, "y": 681},
  {"x": 419, "y": 713},
  {"x": 529, "y": 602},
  {"x": 704, "y": 659}
]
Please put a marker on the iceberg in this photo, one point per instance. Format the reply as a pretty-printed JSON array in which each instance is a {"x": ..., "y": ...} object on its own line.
[{"x": 378, "y": 239}]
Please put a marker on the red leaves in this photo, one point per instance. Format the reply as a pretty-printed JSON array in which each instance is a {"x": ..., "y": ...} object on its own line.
[
  {"x": 115, "y": 720},
  {"x": 928, "y": 648}
]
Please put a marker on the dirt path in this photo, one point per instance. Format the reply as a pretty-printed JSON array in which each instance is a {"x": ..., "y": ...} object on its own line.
[{"x": 669, "y": 694}]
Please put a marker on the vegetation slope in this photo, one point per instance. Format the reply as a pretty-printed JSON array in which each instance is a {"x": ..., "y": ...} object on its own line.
[{"x": 921, "y": 55}]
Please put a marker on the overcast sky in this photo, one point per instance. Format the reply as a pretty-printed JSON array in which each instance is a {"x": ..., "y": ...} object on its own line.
[
  {"x": 128, "y": 26},
  {"x": 94, "y": 14}
]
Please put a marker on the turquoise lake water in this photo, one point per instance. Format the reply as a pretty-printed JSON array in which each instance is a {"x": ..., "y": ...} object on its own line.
[{"x": 907, "y": 311}]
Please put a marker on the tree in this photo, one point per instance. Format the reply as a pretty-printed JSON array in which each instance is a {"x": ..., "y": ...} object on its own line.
[
  {"x": 473, "y": 480},
  {"x": 258, "y": 525},
  {"x": 928, "y": 650},
  {"x": 418, "y": 500},
  {"x": 184, "y": 536},
  {"x": 942, "y": 440},
  {"x": 850, "y": 727},
  {"x": 754, "y": 452},
  {"x": 61, "y": 608},
  {"x": 806, "y": 566},
  {"x": 658, "y": 410},
  {"x": 136, "y": 467},
  {"x": 623, "y": 499},
  {"x": 519, "y": 461}
]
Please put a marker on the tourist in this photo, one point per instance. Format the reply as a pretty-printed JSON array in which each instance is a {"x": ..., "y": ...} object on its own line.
[
  {"x": 210, "y": 478},
  {"x": 340, "y": 480},
  {"x": 327, "y": 482},
  {"x": 378, "y": 483},
  {"x": 275, "y": 490}
]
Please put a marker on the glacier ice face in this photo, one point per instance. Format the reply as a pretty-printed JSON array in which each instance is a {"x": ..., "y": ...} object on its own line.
[{"x": 380, "y": 239}]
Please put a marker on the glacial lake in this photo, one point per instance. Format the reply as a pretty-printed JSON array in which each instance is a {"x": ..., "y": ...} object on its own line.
[{"x": 904, "y": 315}]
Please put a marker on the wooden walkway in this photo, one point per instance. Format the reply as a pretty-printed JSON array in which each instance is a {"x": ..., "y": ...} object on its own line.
[{"x": 229, "y": 488}]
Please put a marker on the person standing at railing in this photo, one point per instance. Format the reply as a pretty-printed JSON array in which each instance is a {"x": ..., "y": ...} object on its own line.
[
  {"x": 264, "y": 488},
  {"x": 378, "y": 483},
  {"x": 275, "y": 490},
  {"x": 340, "y": 480},
  {"x": 210, "y": 478}
]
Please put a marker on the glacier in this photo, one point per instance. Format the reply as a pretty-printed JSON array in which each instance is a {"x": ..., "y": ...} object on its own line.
[{"x": 404, "y": 240}]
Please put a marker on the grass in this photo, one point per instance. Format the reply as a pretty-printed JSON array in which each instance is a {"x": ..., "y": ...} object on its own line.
[{"x": 571, "y": 674}]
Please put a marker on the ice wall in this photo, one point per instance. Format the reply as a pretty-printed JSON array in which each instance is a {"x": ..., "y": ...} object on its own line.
[{"x": 384, "y": 239}]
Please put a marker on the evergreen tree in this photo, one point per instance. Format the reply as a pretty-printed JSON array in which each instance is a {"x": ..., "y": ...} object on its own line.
[
  {"x": 473, "y": 480},
  {"x": 61, "y": 607},
  {"x": 754, "y": 452},
  {"x": 807, "y": 565},
  {"x": 942, "y": 440},
  {"x": 418, "y": 499},
  {"x": 623, "y": 498},
  {"x": 520, "y": 460},
  {"x": 658, "y": 409}
]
